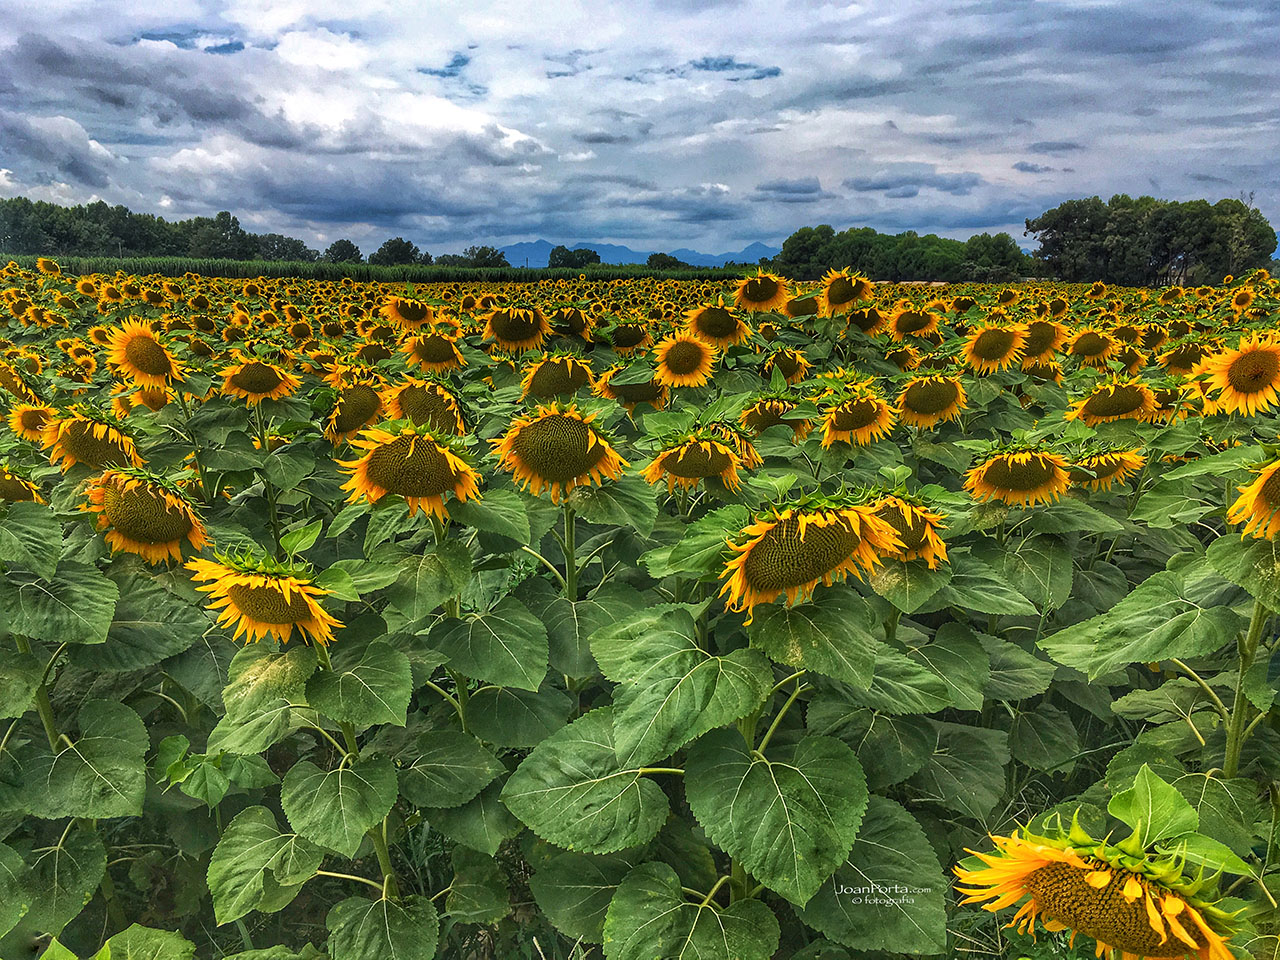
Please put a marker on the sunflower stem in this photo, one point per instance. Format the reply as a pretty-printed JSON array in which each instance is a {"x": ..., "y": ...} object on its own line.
[
  {"x": 195, "y": 446},
  {"x": 713, "y": 891},
  {"x": 378, "y": 834},
  {"x": 738, "y": 882},
  {"x": 570, "y": 554},
  {"x": 43, "y": 706},
  {"x": 773, "y": 727},
  {"x": 1247, "y": 647},
  {"x": 463, "y": 695},
  {"x": 273, "y": 509}
]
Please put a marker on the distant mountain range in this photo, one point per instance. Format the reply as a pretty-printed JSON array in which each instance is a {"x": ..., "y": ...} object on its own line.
[{"x": 536, "y": 253}]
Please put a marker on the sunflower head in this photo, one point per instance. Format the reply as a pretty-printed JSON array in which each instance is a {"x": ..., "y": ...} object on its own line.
[
  {"x": 435, "y": 352},
  {"x": 761, "y": 293},
  {"x": 556, "y": 375},
  {"x": 912, "y": 321},
  {"x": 695, "y": 457},
  {"x": 15, "y": 488},
  {"x": 1115, "y": 400},
  {"x": 406, "y": 313},
  {"x": 1092, "y": 347},
  {"x": 929, "y": 400},
  {"x": 1258, "y": 506},
  {"x": 863, "y": 418},
  {"x": 990, "y": 349},
  {"x": 427, "y": 404},
  {"x": 556, "y": 448},
  {"x": 629, "y": 338},
  {"x": 917, "y": 527},
  {"x": 261, "y": 597},
  {"x": 254, "y": 380},
  {"x": 359, "y": 404},
  {"x": 135, "y": 350},
  {"x": 409, "y": 461},
  {"x": 516, "y": 329},
  {"x": 1099, "y": 470},
  {"x": 143, "y": 514},
  {"x": 28, "y": 420},
  {"x": 1245, "y": 379},
  {"x": 790, "y": 363},
  {"x": 683, "y": 360},
  {"x": 618, "y": 383},
  {"x": 841, "y": 290},
  {"x": 716, "y": 324},
  {"x": 1019, "y": 475},
  {"x": 87, "y": 436}
]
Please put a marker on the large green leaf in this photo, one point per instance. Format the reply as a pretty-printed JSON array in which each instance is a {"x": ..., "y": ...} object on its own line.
[
  {"x": 1228, "y": 809},
  {"x": 369, "y": 683},
  {"x": 959, "y": 660},
  {"x": 251, "y": 853},
  {"x": 31, "y": 538},
  {"x": 831, "y": 635},
  {"x": 1041, "y": 568},
  {"x": 650, "y": 916},
  {"x": 361, "y": 929},
  {"x": 482, "y": 823},
  {"x": 75, "y": 605},
  {"x": 702, "y": 547},
  {"x": 790, "y": 818},
  {"x": 889, "y": 748},
  {"x": 1015, "y": 673},
  {"x": 507, "y": 645},
  {"x": 20, "y": 674},
  {"x": 900, "y": 685},
  {"x": 890, "y": 893},
  {"x": 143, "y": 943},
  {"x": 478, "y": 892},
  {"x": 670, "y": 689},
  {"x": 570, "y": 624},
  {"x": 263, "y": 687},
  {"x": 100, "y": 774},
  {"x": 63, "y": 878},
  {"x": 507, "y": 717},
  {"x": 153, "y": 620},
  {"x": 910, "y": 585},
  {"x": 628, "y": 502},
  {"x": 1155, "y": 809},
  {"x": 1045, "y": 739},
  {"x": 336, "y": 808},
  {"x": 978, "y": 586},
  {"x": 498, "y": 511},
  {"x": 444, "y": 768},
  {"x": 15, "y": 895},
  {"x": 573, "y": 791},
  {"x": 1252, "y": 564},
  {"x": 574, "y": 890},
  {"x": 966, "y": 771},
  {"x": 430, "y": 579}
]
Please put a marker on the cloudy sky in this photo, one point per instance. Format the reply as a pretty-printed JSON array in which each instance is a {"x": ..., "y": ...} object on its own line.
[{"x": 655, "y": 124}]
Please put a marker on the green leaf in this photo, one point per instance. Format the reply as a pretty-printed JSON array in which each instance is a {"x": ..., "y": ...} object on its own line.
[
  {"x": 790, "y": 819},
  {"x": 1207, "y": 852},
  {"x": 976, "y": 585},
  {"x": 15, "y": 896},
  {"x": 890, "y": 892},
  {"x": 570, "y": 624},
  {"x": 366, "y": 576},
  {"x": 143, "y": 943},
  {"x": 900, "y": 685},
  {"x": 1228, "y": 809},
  {"x": 336, "y": 808},
  {"x": 670, "y": 689},
  {"x": 369, "y": 684},
  {"x": 478, "y": 892},
  {"x": 429, "y": 580},
  {"x": 75, "y": 605},
  {"x": 286, "y": 469},
  {"x": 1153, "y": 808},
  {"x": 1041, "y": 569},
  {"x": 650, "y": 917},
  {"x": 831, "y": 635},
  {"x": 574, "y": 890},
  {"x": 252, "y": 852},
  {"x": 1044, "y": 739},
  {"x": 506, "y": 646},
  {"x": 890, "y": 749},
  {"x": 152, "y": 621},
  {"x": 101, "y": 775},
  {"x": 910, "y": 585},
  {"x": 1176, "y": 699},
  {"x": 339, "y": 584},
  {"x": 702, "y": 547},
  {"x": 499, "y": 511},
  {"x": 31, "y": 538},
  {"x": 65, "y": 877},
  {"x": 20, "y": 674},
  {"x": 482, "y": 823},
  {"x": 446, "y": 770},
  {"x": 262, "y": 686},
  {"x": 628, "y": 502},
  {"x": 1252, "y": 564},
  {"x": 361, "y": 929},
  {"x": 386, "y": 519},
  {"x": 966, "y": 771},
  {"x": 518, "y": 718},
  {"x": 572, "y": 790},
  {"x": 1015, "y": 673},
  {"x": 301, "y": 539},
  {"x": 1070, "y": 516},
  {"x": 958, "y": 659}
]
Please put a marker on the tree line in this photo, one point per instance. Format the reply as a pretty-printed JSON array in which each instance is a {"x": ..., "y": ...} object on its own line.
[{"x": 811, "y": 251}]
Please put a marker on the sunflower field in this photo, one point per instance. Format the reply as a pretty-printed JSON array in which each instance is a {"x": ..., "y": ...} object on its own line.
[{"x": 726, "y": 619}]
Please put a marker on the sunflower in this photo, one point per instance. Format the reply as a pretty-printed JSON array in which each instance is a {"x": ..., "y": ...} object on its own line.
[
  {"x": 1043, "y": 370},
  {"x": 1185, "y": 357},
  {"x": 48, "y": 266},
  {"x": 693, "y": 459},
  {"x": 629, "y": 338},
  {"x": 516, "y": 329},
  {"x": 716, "y": 324},
  {"x": 572, "y": 321},
  {"x": 1092, "y": 347},
  {"x": 143, "y": 515},
  {"x": 927, "y": 401},
  {"x": 868, "y": 320},
  {"x": 799, "y": 307},
  {"x": 841, "y": 289},
  {"x": 793, "y": 550},
  {"x": 15, "y": 488},
  {"x": 684, "y": 361},
  {"x": 359, "y": 404},
  {"x": 412, "y": 464},
  {"x": 426, "y": 404},
  {"x": 406, "y": 313},
  {"x": 1022, "y": 477},
  {"x": 556, "y": 376},
  {"x": 1115, "y": 400},
  {"x": 917, "y": 528},
  {"x": 990, "y": 349},
  {"x": 434, "y": 353},
  {"x": 910, "y": 321},
  {"x": 761, "y": 293},
  {"x": 28, "y": 420},
  {"x": 1139, "y": 907},
  {"x": 92, "y": 439},
  {"x": 770, "y": 411},
  {"x": 135, "y": 350},
  {"x": 650, "y": 391},
  {"x": 1242, "y": 300},
  {"x": 1098, "y": 471},
  {"x": 1245, "y": 378},
  {"x": 791, "y": 363},
  {"x": 556, "y": 448},
  {"x": 1258, "y": 505},
  {"x": 859, "y": 421},
  {"x": 261, "y": 598},
  {"x": 11, "y": 381},
  {"x": 255, "y": 380}
]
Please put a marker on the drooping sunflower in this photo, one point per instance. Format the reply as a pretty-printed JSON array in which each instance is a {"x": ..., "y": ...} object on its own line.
[
  {"x": 556, "y": 448},
  {"x": 406, "y": 313},
  {"x": 1023, "y": 477},
  {"x": 1043, "y": 370},
  {"x": 1115, "y": 400},
  {"x": 716, "y": 324},
  {"x": 1138, "y": 906},
  {"x": 556, "y": 376},
  {"x": 13, "y": 382},
  {"x": 359, "y": 404},
  {"x": 427, "y": 404},
  {"x": 682, "y": 360},
  {"x": 629, "y": 338},
  {"x": 262, "y": 597},
  {"x": 761, "y": 293},
  {"x": 648, "y": 391},
  {"x": 695, "y": 458},
  {"x": 1185, "y": 357},
  {"x": 135, "y": 350},
  {"x": 1258, "y": 506},
  {"x": 990, "y": 349},
  {"x": 867, "y": 320},
  {"x": 861, "y": 420},
  {"x": 411, "y": 463},
  {"x": 791, "y": 551},
  {"x": 1044, "y": 337},
  {"x": 516, "y": 329},
  {"x": 911, "y": 321},
  {"x": 255, "y": 380},
  {"x": 770, "y": 411},
  {"x": 434, "y": 353},
  {"x": 927, "y": 401},
  {"x": 15, "y": 488},
  {"x": 96, "y": 440},
  {"x": 1098, "y": 471},
  {"x": 791, "y": 363},
  {"x": 841, "y": 289},
  {"x": 144, "y": 515},
  {"x": 917, "y": 527},
  {"x": 1092, "y": 347},
  {"x": 28, "y": 420},
  {"x": 1245, "y": 378}
]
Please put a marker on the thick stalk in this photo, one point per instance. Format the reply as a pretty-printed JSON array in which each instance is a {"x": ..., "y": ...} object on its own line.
[
  {"x": 195, "y": 447},
  {"x": 570, "y": 555},
  {"x": 273, "y": 510},
  {"x": 1240, "y": 706},
  {"x": 43, "y": 706},
  {"x": 463, "y": 695}
]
